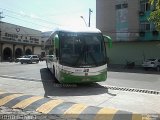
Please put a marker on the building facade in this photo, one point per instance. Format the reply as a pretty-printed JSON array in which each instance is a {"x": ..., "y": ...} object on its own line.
[
  {"x": 126, "y": 21},
  {"x": 16, "y": 41}
]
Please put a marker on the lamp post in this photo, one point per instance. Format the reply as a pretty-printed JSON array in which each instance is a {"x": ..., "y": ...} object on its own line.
[
  {"x": 84, "y": 20},
  {"x": 89, "y": 24}
]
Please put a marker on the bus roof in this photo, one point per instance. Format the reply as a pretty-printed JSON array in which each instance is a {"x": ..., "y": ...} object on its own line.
[{"x": 78, "y": 29}]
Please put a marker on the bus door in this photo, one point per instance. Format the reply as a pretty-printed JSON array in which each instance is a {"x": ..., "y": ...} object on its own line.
[{"x": 57, "y": 55}]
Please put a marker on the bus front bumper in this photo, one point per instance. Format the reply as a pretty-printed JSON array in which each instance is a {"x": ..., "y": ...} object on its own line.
[{"x": 69, "y": 78}]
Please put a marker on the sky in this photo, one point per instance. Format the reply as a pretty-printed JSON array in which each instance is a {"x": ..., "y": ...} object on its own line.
[{"x": 45, "y": 15}]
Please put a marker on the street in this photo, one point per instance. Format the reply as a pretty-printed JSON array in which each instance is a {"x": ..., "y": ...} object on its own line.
[
  {"x": 131, "y": 78},
  {"x": 35, "y": 79}
]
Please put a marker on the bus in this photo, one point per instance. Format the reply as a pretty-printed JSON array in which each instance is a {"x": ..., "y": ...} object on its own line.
[{"x": 77, "y": 55}]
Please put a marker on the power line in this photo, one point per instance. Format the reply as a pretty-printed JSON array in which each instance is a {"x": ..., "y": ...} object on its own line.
[
  {"x": 43, "y": 20},
  {"x": 26, "y": 21}
]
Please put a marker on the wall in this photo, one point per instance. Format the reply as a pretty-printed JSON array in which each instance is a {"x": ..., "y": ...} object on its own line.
[
  {"x": 9, "y": 46},
  {"x": 106, "y": 17},
  {"x": 37, "y": 51},
  {"x": 133, "y": 51}
]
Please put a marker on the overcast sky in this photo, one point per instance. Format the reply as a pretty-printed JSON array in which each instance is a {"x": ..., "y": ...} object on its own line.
[{"x": 45, "y": 15}]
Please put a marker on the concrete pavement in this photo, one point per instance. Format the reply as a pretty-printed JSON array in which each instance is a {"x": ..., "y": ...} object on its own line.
[{"x": 122, "y": 100}]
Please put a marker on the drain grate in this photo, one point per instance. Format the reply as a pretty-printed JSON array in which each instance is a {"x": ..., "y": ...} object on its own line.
[{"x": 133, "y": 90}]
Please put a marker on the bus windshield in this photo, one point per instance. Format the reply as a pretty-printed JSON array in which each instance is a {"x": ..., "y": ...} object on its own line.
[{"x": 82, "y": 49}]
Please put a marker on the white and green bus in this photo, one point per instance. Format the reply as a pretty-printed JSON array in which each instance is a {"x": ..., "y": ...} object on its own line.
[{"x": 77, "y": 55}]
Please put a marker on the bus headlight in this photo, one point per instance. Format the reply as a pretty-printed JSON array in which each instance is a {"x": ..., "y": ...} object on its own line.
[{"x": 67, "y": 72}]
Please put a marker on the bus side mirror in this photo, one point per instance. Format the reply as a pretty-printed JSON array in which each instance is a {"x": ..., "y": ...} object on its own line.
[{"x": 108, "y": 40}]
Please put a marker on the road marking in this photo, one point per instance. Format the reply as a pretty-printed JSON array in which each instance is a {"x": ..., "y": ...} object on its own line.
[
  {"x": 75, "y": 110},
  {"x": 27, "y": 102},
  {"x": 128, "y": 89},
  {"x": 15, "y": 101},
  {"x": 89, "y": 113},
  {"x": 60, "y": 109},
  {"x": 48, "y": 106},
  {"x": 9, "y": 98},
  {"x": 38, "y": 103},
  {"x": 105, "y": 114},
  {"x": 136, "y": 117},
  {"x": 70, "y": 110},
  {"x": 1, "y": 92},
  {"x": 20, "y": 78}
]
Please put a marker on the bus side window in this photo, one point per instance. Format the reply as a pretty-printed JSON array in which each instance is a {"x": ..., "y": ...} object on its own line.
[{"x": 56, "y": 44}]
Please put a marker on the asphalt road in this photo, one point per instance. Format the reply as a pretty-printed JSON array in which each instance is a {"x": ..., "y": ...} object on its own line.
[
  {"x": 130, "y": 78},
  {"x": 37, "y": 80}
]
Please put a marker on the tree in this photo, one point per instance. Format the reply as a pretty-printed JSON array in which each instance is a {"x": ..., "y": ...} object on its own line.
[
  {"x": 155, "y": 14},
  {"x": 155, "y": 2}
]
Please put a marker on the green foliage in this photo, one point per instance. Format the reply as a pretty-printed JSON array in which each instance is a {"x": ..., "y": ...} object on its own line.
[
  {"x": 156, "y": 3},
  {"x": 155, "y": 18},
  {"x": 155, "y": 15}
]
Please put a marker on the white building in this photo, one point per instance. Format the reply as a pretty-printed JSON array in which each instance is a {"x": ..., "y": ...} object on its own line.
[{"x": 16, "y": 41}]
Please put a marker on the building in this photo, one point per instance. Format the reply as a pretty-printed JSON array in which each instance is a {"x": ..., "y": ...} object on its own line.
[
  {"x": 126, "y": 21},
  {"x": 16, "y": 41}
]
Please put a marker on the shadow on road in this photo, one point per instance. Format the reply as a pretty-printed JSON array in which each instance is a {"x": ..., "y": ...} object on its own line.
[{"x": 52, "y": 88}]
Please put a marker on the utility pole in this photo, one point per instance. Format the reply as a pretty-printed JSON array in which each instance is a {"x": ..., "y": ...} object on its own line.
[
  {"x": 1, "y": 35},
  {"x": 90, "y": 11},
  {"x": 0, "y": 24}
]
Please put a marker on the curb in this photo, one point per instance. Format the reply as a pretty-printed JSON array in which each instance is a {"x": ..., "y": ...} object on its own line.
[{"x": 67, "y": 110}]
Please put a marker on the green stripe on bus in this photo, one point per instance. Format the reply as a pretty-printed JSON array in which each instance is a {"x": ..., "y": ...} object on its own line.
[{"x": 68, "y": 78}]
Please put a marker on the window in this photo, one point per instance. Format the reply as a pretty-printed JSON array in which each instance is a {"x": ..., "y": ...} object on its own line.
[
  {"x": 11, "y": 35},
  {"x": 121, "y": 6},
  {"x": 35, "y": 56},
  {"x": 148, "y": 27},
  {"x": 81, "y": 49},
  {"x": 147, "y": 6},
  {"x": 125, "y": 5},
  {"x": 118, "y": 6},
  {"x": 144, "y": 6},
  {"x": 145, "y": 26}
]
